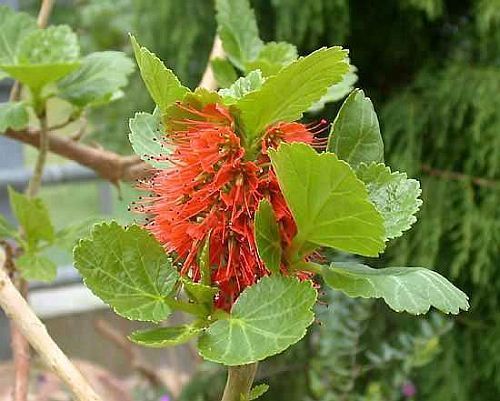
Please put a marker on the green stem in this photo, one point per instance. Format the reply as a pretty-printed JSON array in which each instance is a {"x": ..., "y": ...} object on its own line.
[
  {"x": 193, "y": 309},
  {"x": 311, "y": 267},
  {"x": 239, "y": 382},
  {"x": 299, "y": 249},
  {"x": 36, "y": 180}
]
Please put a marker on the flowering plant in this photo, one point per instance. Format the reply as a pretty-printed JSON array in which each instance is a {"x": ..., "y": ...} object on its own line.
[{"x": 242, "y": 199}]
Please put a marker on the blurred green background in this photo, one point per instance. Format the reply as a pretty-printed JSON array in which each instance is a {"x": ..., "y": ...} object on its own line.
[{"x": 432, "y": 69}]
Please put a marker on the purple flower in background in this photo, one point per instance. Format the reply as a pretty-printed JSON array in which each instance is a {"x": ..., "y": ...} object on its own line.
[
  {"x": 409, "y": 390},
  {"x": 165, "y": 397}
]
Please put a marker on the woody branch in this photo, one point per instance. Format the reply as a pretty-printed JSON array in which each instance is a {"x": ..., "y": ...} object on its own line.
[{"x": 108, "y": 165}]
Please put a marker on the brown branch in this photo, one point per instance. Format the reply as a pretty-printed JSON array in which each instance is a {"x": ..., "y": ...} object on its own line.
[
  {"x": 20, "y": 353},
  {"x": 19, "y": 312},
  {"x": 453, "y": 175},
  {"x": 108, "y": 165}
]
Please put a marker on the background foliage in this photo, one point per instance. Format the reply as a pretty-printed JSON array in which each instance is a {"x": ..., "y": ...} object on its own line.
[{"x": 432, "y": 68}]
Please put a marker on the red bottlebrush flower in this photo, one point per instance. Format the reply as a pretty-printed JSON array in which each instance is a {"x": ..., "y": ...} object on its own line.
[{"x": 211, "y": 192}]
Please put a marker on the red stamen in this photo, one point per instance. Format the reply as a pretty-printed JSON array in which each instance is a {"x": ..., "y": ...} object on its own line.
[{"x": 211, "y": 189}]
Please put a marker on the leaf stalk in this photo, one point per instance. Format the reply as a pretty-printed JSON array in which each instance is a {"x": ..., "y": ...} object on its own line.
[{"x": 239, "y": 382}]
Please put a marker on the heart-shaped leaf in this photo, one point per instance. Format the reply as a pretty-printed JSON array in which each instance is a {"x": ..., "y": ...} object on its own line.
[
  {"x": 99, "y": 79},
  {"x": 329, "y": 204},
  {"x": 266, "y": 319},
  {"x": 128, "y": 269}
]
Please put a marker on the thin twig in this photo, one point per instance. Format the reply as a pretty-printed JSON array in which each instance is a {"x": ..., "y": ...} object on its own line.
[
  {"x": 208, "y": 80},
  {"x": 132, "y": 354},
  {"x": 65, "y": 123},
  {"x": 453, "y": 175},
  {"x": 17, "y": 310},
  {"x": 15, "y": 92},
  {"x": 80, "y": 133},
  {"x": 43, "y": 148},
  {"x": 44, "y": 13}
]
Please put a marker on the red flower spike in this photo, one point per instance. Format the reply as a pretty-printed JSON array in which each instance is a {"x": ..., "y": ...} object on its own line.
[{"x": 212, "y": 192}]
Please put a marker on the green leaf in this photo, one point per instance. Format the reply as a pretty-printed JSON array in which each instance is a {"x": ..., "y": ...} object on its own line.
[
  {"x": 100, "y": 77},
  {"x": 13, "y": 115},
  {"x": 273, "y": 57},
  {"x": 395, "y": 196},
  {"x": 238, "y": 31},
  {"x": 55, "y": 44},
  {"x": 329, "y": 204},
  {"x": 68, "y": 237},
  {"x": 33, "y": 216},
  {"x": 258, "y": 391},
  {"x": 146, "y": 137},
  {"x": 36, "y": 76},
  {"x": 165, "y": 336},
  {"x": 15, "y": 27},
  {"x": 199, "y": 292},
  {"x": 355, "y": 134},
  {"x": 267, "y": 236},
  {"x": 284, "y": 97},
  {"x": 36, "y": 267},
  {"x": 7, "y": 230},
  {"x": 44, "y": 56},
  {"x": 409, "y": 289},
  {"x": 265, "y": 320},
  {"x": 128, "y": 269},
  {"x": 204, "y": 262},
  {"x": 163, "y": 86},
  {"x": 224, "y": 72},
  {"x": 337, "y": 91},
  {"x": 279, "y": 52},
  {"x": 252, "y": 82}
]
